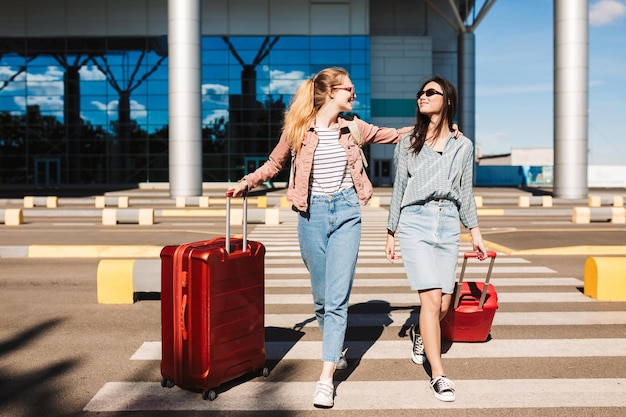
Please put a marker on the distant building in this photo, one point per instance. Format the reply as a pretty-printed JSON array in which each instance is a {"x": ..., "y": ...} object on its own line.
[{"x": 520, "y": 156}]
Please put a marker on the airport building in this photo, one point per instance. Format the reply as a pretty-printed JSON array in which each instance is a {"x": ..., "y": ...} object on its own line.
[{"x": 189, "y": 91}]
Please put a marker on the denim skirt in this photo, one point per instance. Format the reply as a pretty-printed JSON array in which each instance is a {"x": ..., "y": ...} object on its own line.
[{"x": 429, "y": 242}]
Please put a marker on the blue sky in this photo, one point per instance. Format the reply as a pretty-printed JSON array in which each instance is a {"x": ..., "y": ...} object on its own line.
[{"x": 514, "y": 76}]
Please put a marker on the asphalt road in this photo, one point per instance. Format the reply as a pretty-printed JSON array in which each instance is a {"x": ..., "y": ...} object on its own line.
[{"x": 552, "y": 350}]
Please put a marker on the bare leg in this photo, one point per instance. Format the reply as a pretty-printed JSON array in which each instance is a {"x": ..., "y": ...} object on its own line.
[
  {"x": 430, "y": 329},
  {"x": 328, "y": 369},
  {"x": 446, "y": 300}
]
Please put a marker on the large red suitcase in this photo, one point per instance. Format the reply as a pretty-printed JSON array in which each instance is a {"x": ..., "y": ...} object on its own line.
[
  {"x": 212, "y": 311},
  {"x": 470, "y": 317}
]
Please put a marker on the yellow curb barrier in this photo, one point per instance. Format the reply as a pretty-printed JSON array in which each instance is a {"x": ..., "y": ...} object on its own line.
[
  {"x": 527, "y": 201},
  {"x": 198, "y": 201},
  {"x": 490, "y": 212},
  {"x": 113, "y": 216},
  {"x": 104, "y": 201},
  {"x": 193, "y": 213},
  {"x": 605, "y": 278},
  {"x": 599, "y": 201},
  {"x": 272, "y": 216},
  {"x": 615, "y": 215},
  {"x": 37, "y": 201},
  {"x": 120, "y": 280},
  {"x": 115, "y": 281},
  {"x": 11, "y": 217},
  {"x": 94, "y": 251}
]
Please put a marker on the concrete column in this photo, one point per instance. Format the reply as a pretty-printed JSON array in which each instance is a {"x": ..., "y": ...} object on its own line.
[
  {"x": 185, "y": 97},
  {"x": 467, "y": 84},
  {"x": 571, "y": 84}
]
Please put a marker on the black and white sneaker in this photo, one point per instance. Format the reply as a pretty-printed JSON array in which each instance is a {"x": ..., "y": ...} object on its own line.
[
  {"x": 417, "y": 354},
  {"x": 342, "y": 363},
  {"x": 443, "y": 388}
]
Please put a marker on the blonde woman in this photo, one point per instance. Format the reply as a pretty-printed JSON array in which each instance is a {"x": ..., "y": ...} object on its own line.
[{"x": 329, "y": 186}]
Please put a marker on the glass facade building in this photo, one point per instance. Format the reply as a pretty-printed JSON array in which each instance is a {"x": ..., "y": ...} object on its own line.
[{"x": 95, "y": 110}]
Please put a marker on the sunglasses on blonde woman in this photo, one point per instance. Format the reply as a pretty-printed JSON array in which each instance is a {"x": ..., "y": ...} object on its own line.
[
  {"x": 429, "y": 93},
  {"x": 349, "y": 89}
]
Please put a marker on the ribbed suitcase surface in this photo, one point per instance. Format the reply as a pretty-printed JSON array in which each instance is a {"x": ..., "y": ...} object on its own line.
[{"x": 212, "y": 313}]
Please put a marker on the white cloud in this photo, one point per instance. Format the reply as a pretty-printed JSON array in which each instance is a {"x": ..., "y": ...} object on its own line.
[
  {"x": 47, "y": 104},
  {"x": 606, "y": 12},
  {"x": 91, "y": 73},
  {"x": 284, "y": 82},
  {"x": 137, "y": 110},
  {"x": 215, "y": 93},
  {"x": 214, "y": 116}
]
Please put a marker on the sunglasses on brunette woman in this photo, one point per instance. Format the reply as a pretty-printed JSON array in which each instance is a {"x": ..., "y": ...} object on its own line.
[{"x": 429, "y": 93}]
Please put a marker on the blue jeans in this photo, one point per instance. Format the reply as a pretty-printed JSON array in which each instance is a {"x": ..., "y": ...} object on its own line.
[{"x": 329, "y": 235}]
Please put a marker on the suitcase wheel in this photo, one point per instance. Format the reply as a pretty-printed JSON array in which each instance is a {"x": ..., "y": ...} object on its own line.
[
  {"x": 265, "y": 372},
  {"x": 166, "y": 383},
  {"x": 209, "y": 395}
]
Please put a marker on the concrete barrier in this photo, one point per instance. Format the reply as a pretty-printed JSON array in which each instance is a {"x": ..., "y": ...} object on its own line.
[
  {"x": 113, "y": 216},
  {"x": 11, "y": 217},
  {"x": 266, "y": 216},
  {"x": 261, "y": 201},
  {"x": 603, "y": 200},
  {"x": 193, "y": 201},
  {"x": 527, "y": 201},
  {"x": 582, "y": 215},
  {"x": 272, "y": 216},
  {"x": 374, "y": 201},
  {"x": 104, "y": 201},
  {"x": 114, "y": 281},
  {"x": 41, "y": 201},
  {"x": 605, "y": 278},
  {"x": 119, "y": 280}
]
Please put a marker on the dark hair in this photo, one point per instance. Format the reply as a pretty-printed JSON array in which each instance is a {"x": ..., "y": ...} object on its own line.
[{"x": 448, "y": 111}]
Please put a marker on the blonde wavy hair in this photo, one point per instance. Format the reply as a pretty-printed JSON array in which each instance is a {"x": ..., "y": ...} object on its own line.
[{"x": 306, "y": 102}]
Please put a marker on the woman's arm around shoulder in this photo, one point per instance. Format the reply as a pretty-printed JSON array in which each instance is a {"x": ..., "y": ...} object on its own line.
[{"x": 383, "y": 135}]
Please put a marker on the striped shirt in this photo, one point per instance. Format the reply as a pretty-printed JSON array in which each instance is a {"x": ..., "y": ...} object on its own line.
[
  {"x": 330, "y": 173},
  {"x": 430, "y": 175}
]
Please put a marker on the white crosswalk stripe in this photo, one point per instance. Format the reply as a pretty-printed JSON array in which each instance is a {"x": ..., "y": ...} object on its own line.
[
  {"x": 398, "y": 350},
  {"x": 383, "y": 288},
  {"x": 368, "y": 395}
]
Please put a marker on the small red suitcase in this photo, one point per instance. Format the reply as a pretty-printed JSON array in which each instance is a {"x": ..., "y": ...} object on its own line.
[
  {"x": 470, "y": 317},
  {"x": 212, "y": 311}
]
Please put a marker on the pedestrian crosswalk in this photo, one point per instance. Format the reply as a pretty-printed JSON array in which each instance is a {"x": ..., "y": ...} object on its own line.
[{"x": 534, "y": 327}]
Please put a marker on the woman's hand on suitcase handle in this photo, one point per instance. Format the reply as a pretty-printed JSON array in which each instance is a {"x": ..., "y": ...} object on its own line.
[
  {"x": 238, "y": 189},
  {"x": 478, "y": 244}
]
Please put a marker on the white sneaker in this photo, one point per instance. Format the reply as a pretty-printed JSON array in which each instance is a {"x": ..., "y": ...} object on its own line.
[
  {"x": 417, "y": 354},
  {"x": 443, "y": 388},
  {"x": 342, "y": 363},
  {"x": 323, "y": 397}
]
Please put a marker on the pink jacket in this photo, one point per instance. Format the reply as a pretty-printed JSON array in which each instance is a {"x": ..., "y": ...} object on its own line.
[{"x": 298, "y": 192}]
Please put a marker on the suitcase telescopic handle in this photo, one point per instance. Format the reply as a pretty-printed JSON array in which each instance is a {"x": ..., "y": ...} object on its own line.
[
  {"x": 483, "y": 294},
  {"x": 229, "y": 195}
]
